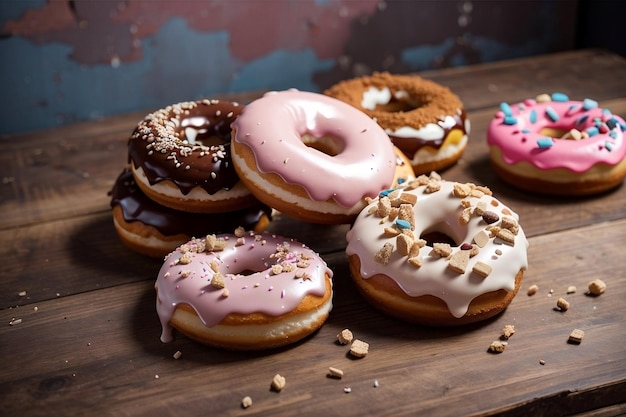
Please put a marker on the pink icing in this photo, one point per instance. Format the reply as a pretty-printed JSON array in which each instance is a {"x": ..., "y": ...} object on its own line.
[
  {"x": 518, "y": 141},
  {"x": 263, "y": 291},
  {"x": 273, "y": 127}
]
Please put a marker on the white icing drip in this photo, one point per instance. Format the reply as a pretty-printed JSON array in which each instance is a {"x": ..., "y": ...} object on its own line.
[
  {"x": 372, "y": 97},
  {"x": 440, "y": 211}
]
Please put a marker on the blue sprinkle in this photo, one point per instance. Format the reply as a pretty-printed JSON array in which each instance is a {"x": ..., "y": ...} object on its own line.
[
  {"x": 403, "y": 224},
  {"x": 510, "y": 120},
  {"x": 589, "y": 104},
  {"x": 552, "y": 114},
  {"x": 592, "y": 130},
  {"x": 401, "y": 180},
  {"x": 544, "y": 143},
  {"x": 623, "y": 127},
  {"x": 560, "y": 97},
  {"x": 613, "y": 134},
  {"x": 385, "y": 193},
  {"x": 606, "y": 111},
  {"x": 533, "y": 116},
  {"x": 506, "y": 109},
  {"x": 525, "y": 130},
  {"x": 608, "y": 146},
  {"x": 611, "y": 123},
  {"x": 582, "y": 119}
]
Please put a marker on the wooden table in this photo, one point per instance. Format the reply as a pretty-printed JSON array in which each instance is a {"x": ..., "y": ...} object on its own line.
[{"x": 80, "y": 334}]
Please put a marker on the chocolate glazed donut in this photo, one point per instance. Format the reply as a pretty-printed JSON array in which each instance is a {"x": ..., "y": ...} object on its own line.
[
  {"x": 181, "y": 158},
  {"x": 155, "y": 230}
]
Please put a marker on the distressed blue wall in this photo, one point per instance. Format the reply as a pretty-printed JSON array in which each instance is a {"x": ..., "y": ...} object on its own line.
[{"x": 84, "y": 59}]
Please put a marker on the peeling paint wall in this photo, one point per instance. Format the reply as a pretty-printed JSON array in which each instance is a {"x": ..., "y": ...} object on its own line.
[{"x": 66, "y": 61}]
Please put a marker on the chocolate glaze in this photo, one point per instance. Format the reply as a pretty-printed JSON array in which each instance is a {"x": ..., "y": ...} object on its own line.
[
  {"x": 137, "y": 207},
  {"x": 161, "y": 146},
  {"x": 411, "y": 145}
]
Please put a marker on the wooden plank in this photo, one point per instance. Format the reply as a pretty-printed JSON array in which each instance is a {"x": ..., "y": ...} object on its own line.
[
  {"x": 67, "y": 172},
  {"x": 99, "y": 352}
]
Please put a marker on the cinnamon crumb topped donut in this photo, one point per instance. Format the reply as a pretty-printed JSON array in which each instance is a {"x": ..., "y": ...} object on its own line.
[
  {"x": 180, "y": 157},
  {"x": 244, "y": 291},
  {"x": 155, "y": 230},
  {"x": 437, "y": 252},
  {"x": 422, "y": 118}
]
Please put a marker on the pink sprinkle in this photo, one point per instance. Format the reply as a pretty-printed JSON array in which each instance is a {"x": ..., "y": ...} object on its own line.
[
  {"x": 252, "y": 246},
  {"x": 270, "y": 288}
]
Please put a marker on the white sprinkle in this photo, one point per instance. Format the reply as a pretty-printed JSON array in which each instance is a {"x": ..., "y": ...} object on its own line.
[
  {"x": 156, "y": 376},
  {"x": 22, "y": 293},
  {"x": 178, "y": 354},
  {"x": 15, "y": 322},
  {"x": 375, "y": 383},
  {"x": 347, "y": 390}
]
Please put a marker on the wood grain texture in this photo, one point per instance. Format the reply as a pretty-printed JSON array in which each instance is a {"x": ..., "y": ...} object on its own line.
[
  {"x": 80, "y": 333},
  {"x": 100, "y": 350}
]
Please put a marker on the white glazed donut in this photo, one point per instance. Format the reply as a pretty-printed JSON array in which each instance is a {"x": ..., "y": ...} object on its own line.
[
  {"x": 244, "y": 292},
  {"x": 310, "y": 156},
  {"x": 401, "y": 262}
]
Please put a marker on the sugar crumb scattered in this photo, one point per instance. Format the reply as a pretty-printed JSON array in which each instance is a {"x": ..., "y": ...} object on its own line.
[
  {"x": 576, "y": 336},
  {"x": 278, "y": 382},
  {"x": 345, "y": 337},
  {"x": 246, "y": 402},
  {"x": 359, "y": 348},
  {"x": 597, "y": 287},
  {"x": 497, "y": 346}
]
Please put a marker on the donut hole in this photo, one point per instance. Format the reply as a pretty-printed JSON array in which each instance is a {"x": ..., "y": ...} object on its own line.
[
  {"x": 386, "y": 101},
  {"x": 440, "y": 233},
  {"x": 195, "y": 131},
  {"x": 326, "y": 144},
  {"x": 397, "y": 105},
  {"x": 553, "y": 132}
]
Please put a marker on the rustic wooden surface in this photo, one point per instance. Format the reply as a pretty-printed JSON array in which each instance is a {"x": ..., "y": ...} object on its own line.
[{"x": 88, "y": 340}]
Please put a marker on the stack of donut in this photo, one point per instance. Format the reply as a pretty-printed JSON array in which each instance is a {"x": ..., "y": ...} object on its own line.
[{"x": 180, "y": 182}]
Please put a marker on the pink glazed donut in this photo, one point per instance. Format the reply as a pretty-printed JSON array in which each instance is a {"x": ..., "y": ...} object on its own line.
[
  {"x": 243, "y": 291},
  {"x": 553, "y": 145},
  {"x": 313, "y": 157}
]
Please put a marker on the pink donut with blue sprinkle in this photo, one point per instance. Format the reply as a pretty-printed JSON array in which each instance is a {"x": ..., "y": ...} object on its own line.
[{"x": 554, "y": 145}]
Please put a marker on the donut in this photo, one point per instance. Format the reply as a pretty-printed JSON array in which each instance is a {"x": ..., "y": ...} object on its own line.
[
  {"x": 437, "y": 252},
  {"x": 154, "y": 230},
  {"x": 553, "y": 145},
  {"x": 422, "y": 118},
  {"x": 243, "y": 291},
  {"x": 180, "y": 157},
  {"x": 310, "y": 156}
]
